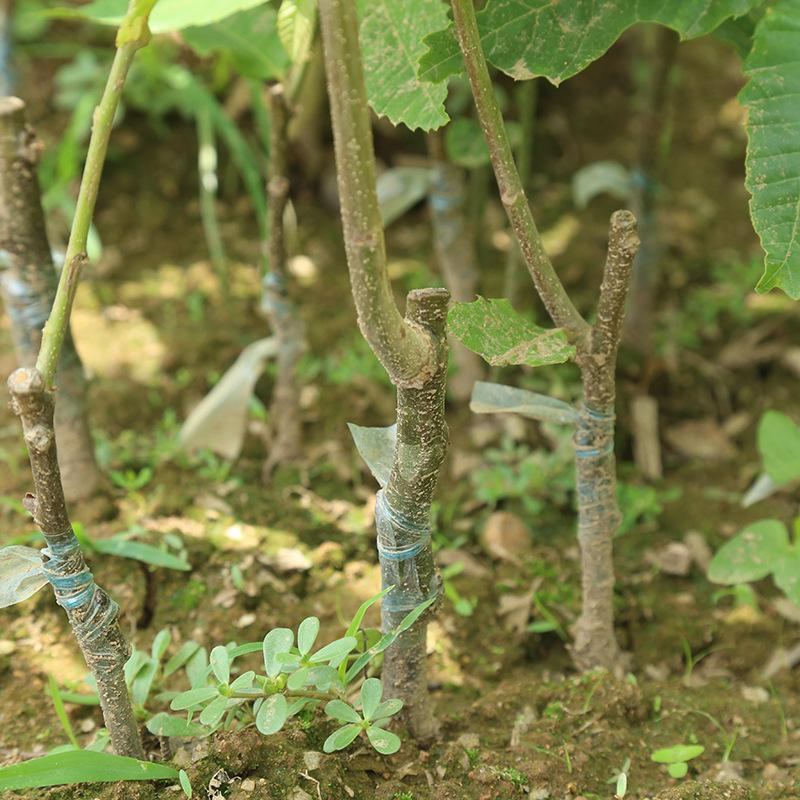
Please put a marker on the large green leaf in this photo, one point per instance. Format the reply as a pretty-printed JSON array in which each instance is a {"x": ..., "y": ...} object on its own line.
[
  {"x": 391, "y": 41},
  {"x": 80, "y": 766},
  {"x": 530, "y": 38},
  {"x": 250, "y": 39},
  {"x": 752, "y": 554},
  {"x": 494, "y": 330},
  {"x": 168, "y": 15},
  {"x": 779, "y": 445},
  {"x": 772, "y": 99}
]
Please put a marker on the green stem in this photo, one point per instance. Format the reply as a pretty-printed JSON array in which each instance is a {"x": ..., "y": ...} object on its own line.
[
  {"x": 512, "y": 193},
  {"x": 56, "y": 328}
]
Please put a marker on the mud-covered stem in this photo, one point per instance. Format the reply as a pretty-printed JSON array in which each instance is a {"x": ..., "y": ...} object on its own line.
[
  {"x": 422, "y": 439},
  {"x": 105, "y": 650},
  {"x": 404, "y": 351},
  {"x": 598, "y": 509},
  {"x": 512, "y": 193},
  {"x": 133, "y": 35},
  {"x": 28, "y": 283}
]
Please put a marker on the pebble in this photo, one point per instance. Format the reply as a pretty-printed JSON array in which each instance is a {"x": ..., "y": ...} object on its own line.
[
  {"x": 505, "y": 536},
  {"x": 312, "y": 759},
  {"x": 248, "y": 785}
]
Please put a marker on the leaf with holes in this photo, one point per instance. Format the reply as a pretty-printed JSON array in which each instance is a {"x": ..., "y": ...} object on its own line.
[
  {"x": 773, "y": 156},
  {"x": 391, "y": 40},
  {"x": 494, "y": 330},
  {"x": 530, "y": 38}
]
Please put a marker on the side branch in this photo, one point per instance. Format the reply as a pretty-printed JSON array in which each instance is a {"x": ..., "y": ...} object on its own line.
[
  {"x": 407, "y": 353},
  {"x": 512, "y": 193}
]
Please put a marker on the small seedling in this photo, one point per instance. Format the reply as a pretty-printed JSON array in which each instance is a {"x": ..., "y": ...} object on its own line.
[
  {"x": 676, "y": 758},
  {"x": 621, "y": 780}
]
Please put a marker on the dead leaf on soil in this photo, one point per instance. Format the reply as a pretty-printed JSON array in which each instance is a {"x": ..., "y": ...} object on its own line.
[{"x": 703, "y": 439}]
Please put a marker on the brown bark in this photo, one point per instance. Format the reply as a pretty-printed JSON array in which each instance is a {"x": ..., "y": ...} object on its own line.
[
  {"x": 28, "y": 284},
  {"x": 598, "y": 510},
  {"x": 422, "y": 439},
  {"x": 91, "y": 612},
  {"x": 286, "y": 432}
]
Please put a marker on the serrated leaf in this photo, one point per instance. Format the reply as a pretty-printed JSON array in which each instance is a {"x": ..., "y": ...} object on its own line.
[
  {"x": 341, "y": 738},
  {"x": 773, "y": 155},
  {"x": 779, "y": 445},
  {"x": 531, "y": 38},
  {"x": 164, "y": 724},
  {"x": 371, "y": 693},
  {"x": 752, "y": 554},
  {"x": 385, "y": 742},
  {"x": 391, "y": 37},
  {"x": 501, "y": 336},
  {"x": 341, "y": 711},
  {"x": 168, "y": 15},
  {"x": 295, "y": 23},
  {"x": 272, "y": 714},
  {"x": 21, "y": 574},
  {"x": 250, "y": 39},
  {"x": 221, "y": 663},
  {"x": 307, "y": 633},
  {"x": 276, "y": 642}
]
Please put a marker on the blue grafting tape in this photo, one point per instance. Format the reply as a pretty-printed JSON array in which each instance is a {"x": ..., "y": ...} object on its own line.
[{"x": 420, "y": 534}]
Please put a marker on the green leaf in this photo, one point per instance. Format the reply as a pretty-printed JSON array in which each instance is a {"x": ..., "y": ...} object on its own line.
[
  {"x": 494, "y": 330},
  {"x": 272, "y": 714},
  {"x": 787, "y": 577},
  {"x": 296, "y": 19},
  {"x": 341, "y": 738},
  {"x": 276, "y": 642},
  {"x": 779, "y": 445},
  {"x": 185, "y": 783},
  {"x": 164, "y": 724},
  {"x": 61, "y": 712},
  {"x": 676, "y": 754},
  {"x": 371, "y": 692},
  {"x": 194, "y": 697},
  {"x": 221, "y": 663},
  {"x": 298, "y": 679},
  {"x": 143, "y": 682},
  {"x": 196, "y": 668},
  {"x": 249, "y": 39},
  {"x": 387, "y": 708},
  {"x": 383, "y": 741},
  {"x": 168, "y": 15},
  {"x": 773, "y": 155},
  {"x": 599, "y": 177},
  {"x": 80, "y": 766},
  {"x": 530, "y": 38},
  {"x": 307, "y": 634},
  {"x": 391, "y": 37},
  {"x": 752, "y": 554},
  {"x": 335, "y": 651},
  {"x": 187, "y": 650},
  {"x": 160, "y": 644},
  {"x": 465, "y": 143},
  {"x": 214, "y": 711},
  {"x": 678, "y": 770},
  {"x": 139, "y": 551},
  {"x": 358, "y": 618},
  {"x": 244, "y": 681},
  {"x": 341, "y": 711}
]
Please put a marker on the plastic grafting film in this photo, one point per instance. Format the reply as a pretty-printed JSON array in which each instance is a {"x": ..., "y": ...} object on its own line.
[
  {"x": 219, "y": 421},
  {"x": 494, "y": 398},
  {"x": 26, "y": 307},
  {"x": 90, "y": 610},
  {"x": 594, "y": 442},
  {"x": 376, "y": 446},
  {"x": 21, "y": 574},
  {"x": 399, "y": 541}
]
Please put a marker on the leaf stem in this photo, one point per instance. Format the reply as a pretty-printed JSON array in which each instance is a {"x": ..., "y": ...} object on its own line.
[{"x": 512, "y": 193}]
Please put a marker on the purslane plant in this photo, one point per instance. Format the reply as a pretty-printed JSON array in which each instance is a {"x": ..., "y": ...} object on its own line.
[{"x": 92, "y": 614}]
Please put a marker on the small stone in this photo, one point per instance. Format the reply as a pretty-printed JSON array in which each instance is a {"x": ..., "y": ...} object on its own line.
[
  {"x": 729, "y": 771},
  {"x": 506, "y": 537},
  {"x": 248, "y": 785},
  {"x": 299, "y": 794},
  {"x": 772, "y": 772},
  {"x": 702, "y": 439},
  {"x": 87, "y": 725},
  {"x": 539, "y": 794},
  {"x": 7, "y": 647},
  {"x": 755, "y": 694},
  {"x": 312, "y": 759},
  {"x": 674, "y": 559},
  {"x": 469, "y": 741},
  {"x": 245, "y": 620}
]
